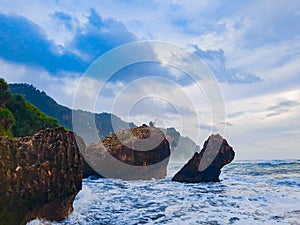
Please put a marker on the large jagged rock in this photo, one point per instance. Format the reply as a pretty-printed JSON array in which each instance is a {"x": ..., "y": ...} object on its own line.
[
  {"x": 40, "y": 176},
  {"x": 134, "y": 154},
  {"x": 206, "y": 165}
]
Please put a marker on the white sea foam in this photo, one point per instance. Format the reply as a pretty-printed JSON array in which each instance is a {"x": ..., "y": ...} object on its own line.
[{"x": 249, "y": 193}]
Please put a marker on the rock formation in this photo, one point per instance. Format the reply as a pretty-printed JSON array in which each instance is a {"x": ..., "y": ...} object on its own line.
[
  {"x": 40, "y": 176},
  {"x": 206, "y": 165},
  {"x": 134, "y": 154}
]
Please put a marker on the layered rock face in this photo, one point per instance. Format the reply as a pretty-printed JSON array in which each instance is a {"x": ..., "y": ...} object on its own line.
[
  {"x": 40, "y": 176},
  {"x": 206, "y": 165},
  {"x": 134, "y": 154}
]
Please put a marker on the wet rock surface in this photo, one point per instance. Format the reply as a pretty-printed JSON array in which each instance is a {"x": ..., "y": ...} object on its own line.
[
  {"x": 134, "y": 154},
  {"x": 206, "y": 165},
  {"x": 40, "y": 176}
]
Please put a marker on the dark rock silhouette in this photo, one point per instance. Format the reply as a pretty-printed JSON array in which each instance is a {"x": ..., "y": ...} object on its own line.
[
  {"x": 134, "y": 154},
  {"x": 40, "y": 176},
  {"x": 206, "y": 165}
]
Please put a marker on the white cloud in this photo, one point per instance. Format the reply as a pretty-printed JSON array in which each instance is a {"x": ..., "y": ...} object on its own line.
[
  {"x": 253, "y": 131},
  {"x": 62, "y": 89},
  {"x": 153, "y": 98}
]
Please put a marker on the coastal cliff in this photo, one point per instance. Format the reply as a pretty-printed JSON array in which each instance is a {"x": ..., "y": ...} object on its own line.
[
  {"x": 40, "y": 176},
  {"x": 134, "y": 154},
  {"x": 206, "y": 165}
]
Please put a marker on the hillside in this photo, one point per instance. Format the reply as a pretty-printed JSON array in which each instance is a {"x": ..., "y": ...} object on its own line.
[
  {"x": 182, "y": 149},
  {"x": 18, "y": 117},
  {"x": 64, "y": 114}
]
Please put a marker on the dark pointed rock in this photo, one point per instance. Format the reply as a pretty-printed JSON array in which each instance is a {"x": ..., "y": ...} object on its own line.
[
  {"x": 40, "y": 176},
  {"x": 206, "y": 165}
]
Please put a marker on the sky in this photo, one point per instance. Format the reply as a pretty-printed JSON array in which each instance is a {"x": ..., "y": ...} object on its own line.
[{"x": 252, "y": 49}]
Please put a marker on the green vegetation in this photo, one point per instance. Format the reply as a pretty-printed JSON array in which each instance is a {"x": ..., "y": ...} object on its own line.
[
  {"x": 106, "y": 123},
  {"x": 18, "y": 117},
  {"x": 7, "y": 121},
  {"x": 44, "y": 103}
]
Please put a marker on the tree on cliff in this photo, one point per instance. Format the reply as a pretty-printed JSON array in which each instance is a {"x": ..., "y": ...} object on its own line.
[
  {"x": 4, "y": 94},
  {"x": 18, "y": 117},
  {"x": 7, "y": 121}
]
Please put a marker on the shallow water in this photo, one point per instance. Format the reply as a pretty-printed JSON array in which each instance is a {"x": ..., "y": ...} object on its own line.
[{"x": 249, "y": 193}]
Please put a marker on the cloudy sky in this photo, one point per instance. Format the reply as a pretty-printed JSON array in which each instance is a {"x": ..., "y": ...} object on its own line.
[{"x": 252, "y": 48}]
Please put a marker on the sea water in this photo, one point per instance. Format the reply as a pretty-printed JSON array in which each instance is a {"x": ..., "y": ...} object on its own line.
[{"x": 261, "y": 192}]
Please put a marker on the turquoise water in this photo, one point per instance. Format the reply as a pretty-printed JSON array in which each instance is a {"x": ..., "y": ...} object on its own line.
[{"x": 249, "y": 193}]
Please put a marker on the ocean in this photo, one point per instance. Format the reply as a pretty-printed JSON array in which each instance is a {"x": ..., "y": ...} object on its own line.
[{"x": 250, "y": 192}]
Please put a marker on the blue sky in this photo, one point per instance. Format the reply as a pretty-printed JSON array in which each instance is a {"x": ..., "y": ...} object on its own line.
[{"x": 252, "y": 48}]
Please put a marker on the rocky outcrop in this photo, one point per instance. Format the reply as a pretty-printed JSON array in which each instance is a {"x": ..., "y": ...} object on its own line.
[
  {"x": 40, "y": 176},
  {"x": 206, "y": 165},
  {"x": 134, "y": 154}
]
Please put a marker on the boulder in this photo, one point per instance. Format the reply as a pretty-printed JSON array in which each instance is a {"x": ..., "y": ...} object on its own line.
[
  {"x": 40, "y": 176},
  {"x": 206, "y": 165},
  {"x": 140, "y": 153}
]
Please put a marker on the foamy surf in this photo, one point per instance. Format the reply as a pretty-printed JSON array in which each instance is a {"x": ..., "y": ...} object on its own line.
[{"x": 249, "y": 193}]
